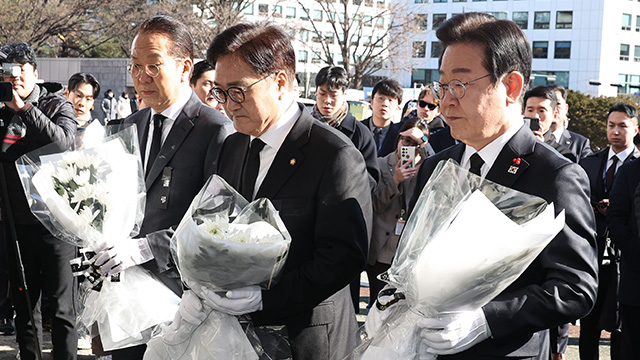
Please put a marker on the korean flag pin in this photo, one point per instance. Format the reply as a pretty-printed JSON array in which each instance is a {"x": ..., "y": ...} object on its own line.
[
  {"x": 513, "y": 169},
  {"x": 292, "y": 161}
]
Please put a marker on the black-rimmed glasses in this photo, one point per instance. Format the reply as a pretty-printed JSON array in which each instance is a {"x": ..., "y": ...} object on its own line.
[
  {"x": 234, "y": 93},
  {"x": 456, "y": 88}
]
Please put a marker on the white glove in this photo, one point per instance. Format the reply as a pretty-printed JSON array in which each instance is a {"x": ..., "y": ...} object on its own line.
[
  {"x": 190, "y": 310},
  {"x": 235, "y": 302},
  {"x": 451, "y": 333},
  {"x": 114, "y": 258}
]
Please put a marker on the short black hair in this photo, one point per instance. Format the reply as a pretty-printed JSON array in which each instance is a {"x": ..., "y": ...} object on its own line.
[
  {"x": 199, "y": 68},
  {"x": 560, "y": 89},
  {"x": 543, "y": 91},
  {"x": 335, "y": 77},
  {"x": 176, "y": 31},
  {"x": 388, "y": 87},
  {"x": 506, "y": 47},
  {"x": 108, "y": 91},
  {"x": 630, "y": 111},
  {"x": 20, "y": 53},
  {"x": 78, "y": 79}
]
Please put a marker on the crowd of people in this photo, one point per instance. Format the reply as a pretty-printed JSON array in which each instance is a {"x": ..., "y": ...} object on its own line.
[{"x": 342, "y": 188}]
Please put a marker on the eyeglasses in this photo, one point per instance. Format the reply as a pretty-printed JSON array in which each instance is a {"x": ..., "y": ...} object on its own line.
[
  {"x": 407, "y": 141},
  {"x": 423, "y": 103},
  {"x": 456, "y": 88},
  {"x": 234, "y": 93},
  {"x": 152, "y": 70}
]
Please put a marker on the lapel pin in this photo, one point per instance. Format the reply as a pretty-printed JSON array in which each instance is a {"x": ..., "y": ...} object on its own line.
[
  {"x": 292, "y": 161},
  {"x": 513, "y": 169}
]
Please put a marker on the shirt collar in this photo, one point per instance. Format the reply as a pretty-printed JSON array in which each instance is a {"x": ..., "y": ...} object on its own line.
[
  {"x": 490, "y": 152},
  {"x": 174, "y": 110},
  {"x": 275, "y": 135},
  {"x": 558, "y": 133},
  {"x": 622, "y": 155}
]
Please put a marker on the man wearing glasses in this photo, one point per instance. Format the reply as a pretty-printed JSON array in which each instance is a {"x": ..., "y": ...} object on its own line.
[
  {"x": 484, "y": 70},
  {"x": 315, "y": 178},
  {"x": 180, "y": 139}
]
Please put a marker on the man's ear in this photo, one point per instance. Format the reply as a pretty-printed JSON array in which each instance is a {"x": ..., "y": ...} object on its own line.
[
  {"x": 186, "y": 70},
  {"x": 282, "y": 83},
  {"x": 66, "y": 92},
  {"x": 514, "y": 83}
]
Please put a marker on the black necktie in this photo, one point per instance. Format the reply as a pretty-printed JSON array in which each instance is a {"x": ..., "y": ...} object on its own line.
[
  {"x": 611, "y": 173},
  {"x": 156, "y": 141},
  {"x": 250, "y": 170},
  {"x": 476, "y": 164}
]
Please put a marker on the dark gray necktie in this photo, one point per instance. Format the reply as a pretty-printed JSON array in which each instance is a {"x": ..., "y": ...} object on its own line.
[
  {"x": 251, "y": 168},
  {"x": 611, "y": 173},
  {"x": 156, "y": 141},
  {"x": 476, "y": 164}
]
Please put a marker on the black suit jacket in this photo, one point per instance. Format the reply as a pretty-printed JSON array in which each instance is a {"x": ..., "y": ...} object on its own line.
[
  {"x": 560, "y": 285},
  {"x": 623, "y": 229},
  {"x": 388, "y": 144},
  {"x": 318, "y": 183},
  {"x": 578, "y": 144},
  {"x": 594, "y": 165},
  {"x": 187, "y": 159}
]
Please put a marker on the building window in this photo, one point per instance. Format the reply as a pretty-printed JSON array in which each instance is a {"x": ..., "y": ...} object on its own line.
[
  {"x": 479, "y": 0},
  {"x": 436, "y": 49},
  {"x": 249, "y": 9},
  {"x": 304, "y": 15},
  {"x": 317, "y": 15},
  {"x": 316, "y": 58},
  {"x": 357, "y": 2},
  {"x": 367, "y": 20},
  {"x": 303, "y": 36},
  {"x": 521, "y": 18},
  {"x": 636, "y": 53},
  {"x": 422, "y": 77},
  {"x": 290, "y": 12},
  {"x": 540, "y": 49},
  {"x": 302, "y": 56},
  {"x": 629, "y": 84},
  {"x": 263, "y": 9},
  {"x": 419, "y": 49},
  {"x": 624, "y": 52},
  {"x": 438, "y": 19},
  {"x": 626, "y": 21},
  {"x": 380, "y": 22},
  {"x": 562, "y": 50},
  {"x": 564, "y": 19},
  {"x": 459, "y": 0},
  {"x": 366, "y": 39},
  {"x": 549, "y": 77},
  {"x": 541, "y": 20},
  {"x": 329, "y": 37},
  {"x": 421, "y": 21},
  {"x": 500, "y": 15},
  {"x": 277, "y": 11},
  {"x": 638, "y": 22},
  {"x": 439, "y": 1},
  {"x": 421, "y": 1}
]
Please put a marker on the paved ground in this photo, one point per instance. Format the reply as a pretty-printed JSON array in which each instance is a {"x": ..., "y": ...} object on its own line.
[{"x": 9, "y": 347}]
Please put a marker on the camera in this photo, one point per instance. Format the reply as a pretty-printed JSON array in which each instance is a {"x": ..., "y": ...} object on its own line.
[
  {"x": 10, "y": 70},
  {"x": 408, "y": 153}
]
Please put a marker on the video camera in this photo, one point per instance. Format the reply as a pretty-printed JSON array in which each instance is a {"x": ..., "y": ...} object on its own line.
[{"x": 11, "y": 70}]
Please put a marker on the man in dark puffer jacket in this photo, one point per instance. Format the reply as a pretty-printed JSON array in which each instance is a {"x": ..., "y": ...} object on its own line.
[{"x": 37, "y": 115}]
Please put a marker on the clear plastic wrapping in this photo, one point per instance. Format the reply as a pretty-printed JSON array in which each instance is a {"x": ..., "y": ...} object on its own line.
[
  {"x": 92, "y": 195},
  {"x": 222, "y": 243},
  {"x": 465, "y": 242}
]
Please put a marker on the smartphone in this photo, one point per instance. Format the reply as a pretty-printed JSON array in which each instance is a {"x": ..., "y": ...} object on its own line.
[
  {"x": 408, "y": 153},
  {"x": 534, "y": 123},
  {"x": 6, "y": 91}
]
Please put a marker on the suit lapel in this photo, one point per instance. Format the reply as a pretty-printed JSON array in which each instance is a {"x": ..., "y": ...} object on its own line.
[
  {"x": 634, "y": 155},
  {"x": 179, "y": 131},
  {"x": 506, "y": 170},
  {"x": 288, "y": 159}
]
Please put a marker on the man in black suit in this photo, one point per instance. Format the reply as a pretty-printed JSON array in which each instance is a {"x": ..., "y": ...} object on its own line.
[
  {"x": 623, "y": 230},
  {"x": 386, "y": 97},
  {"x": 313, "y": 175},
  {"x": 180, "y": 140},
  {"x": 578, "y": 144},
  {"x": 484, "y": 69},
  {"x": 601, "y": 167}
]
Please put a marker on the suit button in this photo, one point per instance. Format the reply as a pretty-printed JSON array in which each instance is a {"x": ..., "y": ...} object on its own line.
[{"x": 387, "y": 233}]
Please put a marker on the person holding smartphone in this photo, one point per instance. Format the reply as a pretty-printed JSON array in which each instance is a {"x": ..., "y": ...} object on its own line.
[{"x": 391, "y": 198}]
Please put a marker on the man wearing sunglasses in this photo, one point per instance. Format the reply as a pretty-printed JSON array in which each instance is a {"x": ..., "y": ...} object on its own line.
[
  {"x": 315, "y": 178},
  {"x": 180, "y": 138},
  {"x": 484, "y": 69}
]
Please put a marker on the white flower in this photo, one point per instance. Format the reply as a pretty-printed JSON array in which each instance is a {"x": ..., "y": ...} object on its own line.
[
  {"x": 83, "y": 193},
  {"x": 217, "y": 226},
  {"x": 64, "y": 174},
  {"x": 101, "y": 192},
  {"x": 69, "y": 158},
  {"x": 82, "y": 178},
  {"x": 88, "y": 214},
  {"x": 84, "y": 161}
]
